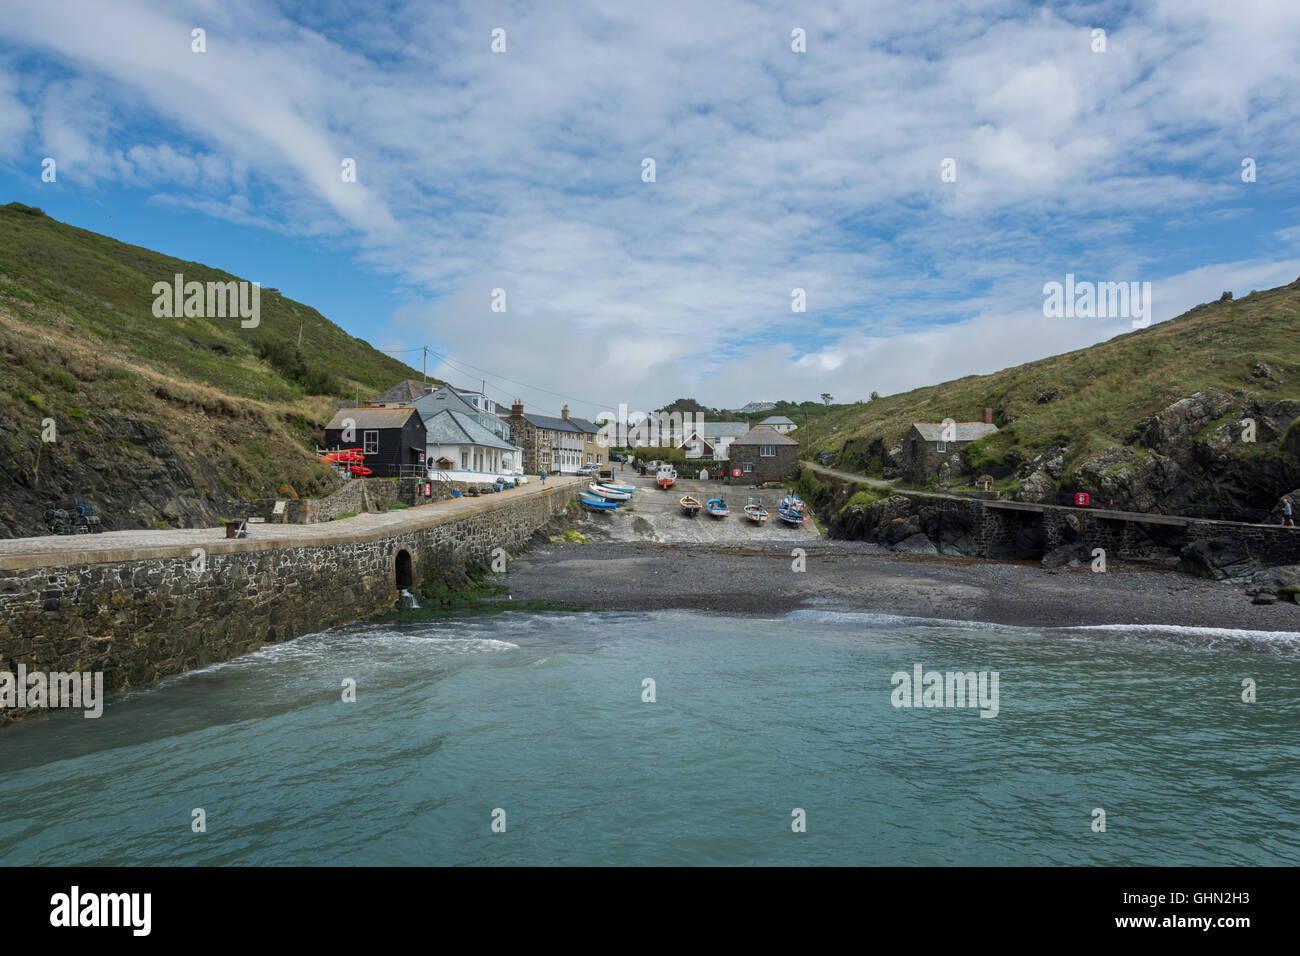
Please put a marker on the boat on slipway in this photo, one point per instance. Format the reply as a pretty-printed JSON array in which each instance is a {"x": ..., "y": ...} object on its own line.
[
  {"x": 755, "y": 512},
  {"x": 691, "y": 506},
  {"x": 592, "y": 503},
  {"x": 666, "y": 476},
  {"x": 609, "y": 494},
  {"x": 792, "y": 511},
  {"x": 717, "y": 507}
]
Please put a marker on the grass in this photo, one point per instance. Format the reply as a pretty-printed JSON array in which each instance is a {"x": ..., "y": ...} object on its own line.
[
  {"x": 1106, "y": 390},
  {"x": 243, "y": 407}
]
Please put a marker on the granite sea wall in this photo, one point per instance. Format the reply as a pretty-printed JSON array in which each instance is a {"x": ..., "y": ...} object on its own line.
[{"x": 139, "y": 618}]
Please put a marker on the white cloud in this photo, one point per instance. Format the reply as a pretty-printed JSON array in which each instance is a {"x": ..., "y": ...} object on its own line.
[{"x": 775, "y": 170}]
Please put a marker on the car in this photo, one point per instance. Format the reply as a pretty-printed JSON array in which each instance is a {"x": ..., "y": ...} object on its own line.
[
  {"x": 618, "y": 458},
  {"x": 589, "y": 471}
]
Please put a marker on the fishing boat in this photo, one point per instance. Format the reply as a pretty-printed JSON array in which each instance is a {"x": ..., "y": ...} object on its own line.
[
  {"x": 691, "y": 506},
  {"x": 666, "y": 476},
  {"x": 626, "y": 489},
  {"x": 792, "y": 510},
  {"x": 717, "y": 507},
  {"x": 609, "y": 494},
  {"x": 596, "y": 504},
  {"x": 755, "y": 511}
]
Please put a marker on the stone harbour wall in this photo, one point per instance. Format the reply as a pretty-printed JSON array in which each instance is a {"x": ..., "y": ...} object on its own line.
[{"x": 141, "y": 620}]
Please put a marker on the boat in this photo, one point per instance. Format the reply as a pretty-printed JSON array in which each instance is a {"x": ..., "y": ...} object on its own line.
[
  {"x": 626, "y": 489},
  {"x": 609, "y": 494},
  {"x": 755, "y": 512},
  {"x": 596, "y": 504},
  {"x": 717, "y": 507},
  {"x": 691, "y": 506},
  {"x": 792, "y": 510},
  {"x": 343, "y": 457},
  {"x": 666, "y": 476},
  {"x": 360, "y": 471}
]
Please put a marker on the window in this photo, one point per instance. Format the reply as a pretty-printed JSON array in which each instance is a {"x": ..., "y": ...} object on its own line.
[
  {"x": 766, "y": 451},
  {"x": 941, "y": 446},
  {"x": 748, "y": 467},
  {"x": 370, "y": 442}
]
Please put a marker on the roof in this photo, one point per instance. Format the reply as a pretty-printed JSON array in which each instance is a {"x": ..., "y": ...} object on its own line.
[
  {"x": 372, "y": 417},
  {"x": 965, "y": 431},
  {"x": 552, "y": 423},
  {"x": 444, "y": 398},
  {"x": 764, "y": 435},
  {"x": 449, "y": 427},
  {"x": 584, "y": 425},
  {"x": 776, "y": 420},
  {"x": 721, "y": 429},
  {"x": 407, "y": 390}
]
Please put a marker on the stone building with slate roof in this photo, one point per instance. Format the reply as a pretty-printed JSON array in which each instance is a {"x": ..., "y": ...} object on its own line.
[
  {"x": 927, "y": 445},
  {"x": 764, "y": 454}
]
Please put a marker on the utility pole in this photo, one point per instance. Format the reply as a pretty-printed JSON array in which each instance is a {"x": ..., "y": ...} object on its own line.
[{"x": 425, "y": 366}]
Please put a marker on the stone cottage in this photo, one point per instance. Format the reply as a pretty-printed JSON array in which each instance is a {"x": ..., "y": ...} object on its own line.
[
  {"x": 764, "y": 454},
  {"x": 927, "y": 445}
]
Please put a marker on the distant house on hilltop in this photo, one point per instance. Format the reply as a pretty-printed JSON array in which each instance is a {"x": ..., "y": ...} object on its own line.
[
  {"x": 780, "y": 423},
  {"x": 755, "y": 407},
  {"x": 928, "y": 444}
]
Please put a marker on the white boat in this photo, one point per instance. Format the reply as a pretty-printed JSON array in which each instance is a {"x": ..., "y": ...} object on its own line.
[
  {"x": 609, "y": 494},
  {"x": 666, "y": 476}
]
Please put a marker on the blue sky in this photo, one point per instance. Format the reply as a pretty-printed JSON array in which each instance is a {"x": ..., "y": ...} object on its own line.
[{"x": 820, "y": 170}]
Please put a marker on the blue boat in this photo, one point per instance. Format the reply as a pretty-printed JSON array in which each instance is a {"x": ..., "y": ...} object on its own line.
[
  {"x": 596, "y": 504},
  {"x": 792, "y": 510},
  {"x": 717, "y": 507}
]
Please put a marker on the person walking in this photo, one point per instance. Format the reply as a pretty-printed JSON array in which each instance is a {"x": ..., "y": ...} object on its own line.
[
  {"x": 1287, "y": 517},
  {"x": 543, "y": 476}
]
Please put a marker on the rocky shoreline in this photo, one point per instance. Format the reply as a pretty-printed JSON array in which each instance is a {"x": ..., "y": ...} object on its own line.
[{"x": 857, "y": 576}]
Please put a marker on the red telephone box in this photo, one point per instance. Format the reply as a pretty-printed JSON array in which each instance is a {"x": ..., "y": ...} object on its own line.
[{"x": 1081, "y": 499}]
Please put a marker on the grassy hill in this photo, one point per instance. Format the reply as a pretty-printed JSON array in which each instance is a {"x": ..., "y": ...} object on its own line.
[
  {"x": 159, "y": 420},
  {"x": 1107, "y": 418}
]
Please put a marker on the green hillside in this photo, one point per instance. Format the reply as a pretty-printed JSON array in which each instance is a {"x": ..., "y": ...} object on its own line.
[
  {"x": 1100, "y": 418},
  {"x": 204, "y": 408}
]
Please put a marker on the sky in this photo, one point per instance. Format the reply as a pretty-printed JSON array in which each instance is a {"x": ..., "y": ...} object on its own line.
[{"x": 920, "y": 170}]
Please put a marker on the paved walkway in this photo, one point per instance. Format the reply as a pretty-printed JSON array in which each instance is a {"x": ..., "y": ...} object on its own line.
[
  {"x": 847, "y": 476},
  {"x": 111, "y": 546}
]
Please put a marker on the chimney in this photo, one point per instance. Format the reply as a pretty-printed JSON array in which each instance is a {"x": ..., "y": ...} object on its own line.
[
  {"x": 564, "y": 412},
  {"x": 517, "y": 409},
  {"x": 987, "y": 418}
]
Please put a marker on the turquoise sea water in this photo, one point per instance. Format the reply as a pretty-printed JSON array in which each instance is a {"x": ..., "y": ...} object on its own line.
[{"x": 542, "y": 716}]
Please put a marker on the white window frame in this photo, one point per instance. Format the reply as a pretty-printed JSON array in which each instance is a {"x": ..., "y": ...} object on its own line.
[
  {"x": 747, "y": 467},
  {"x": 370, "y": 441},
  {"x": 941, "y": 446},
  {"x": 766, "y": 451}
]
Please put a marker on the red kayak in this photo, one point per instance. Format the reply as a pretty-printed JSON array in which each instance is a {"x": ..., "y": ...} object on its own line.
[{"x": 359, "y": 470}]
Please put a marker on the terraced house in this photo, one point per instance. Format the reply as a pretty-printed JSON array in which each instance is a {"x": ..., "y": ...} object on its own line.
[{"x": 556, "y": 445}]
